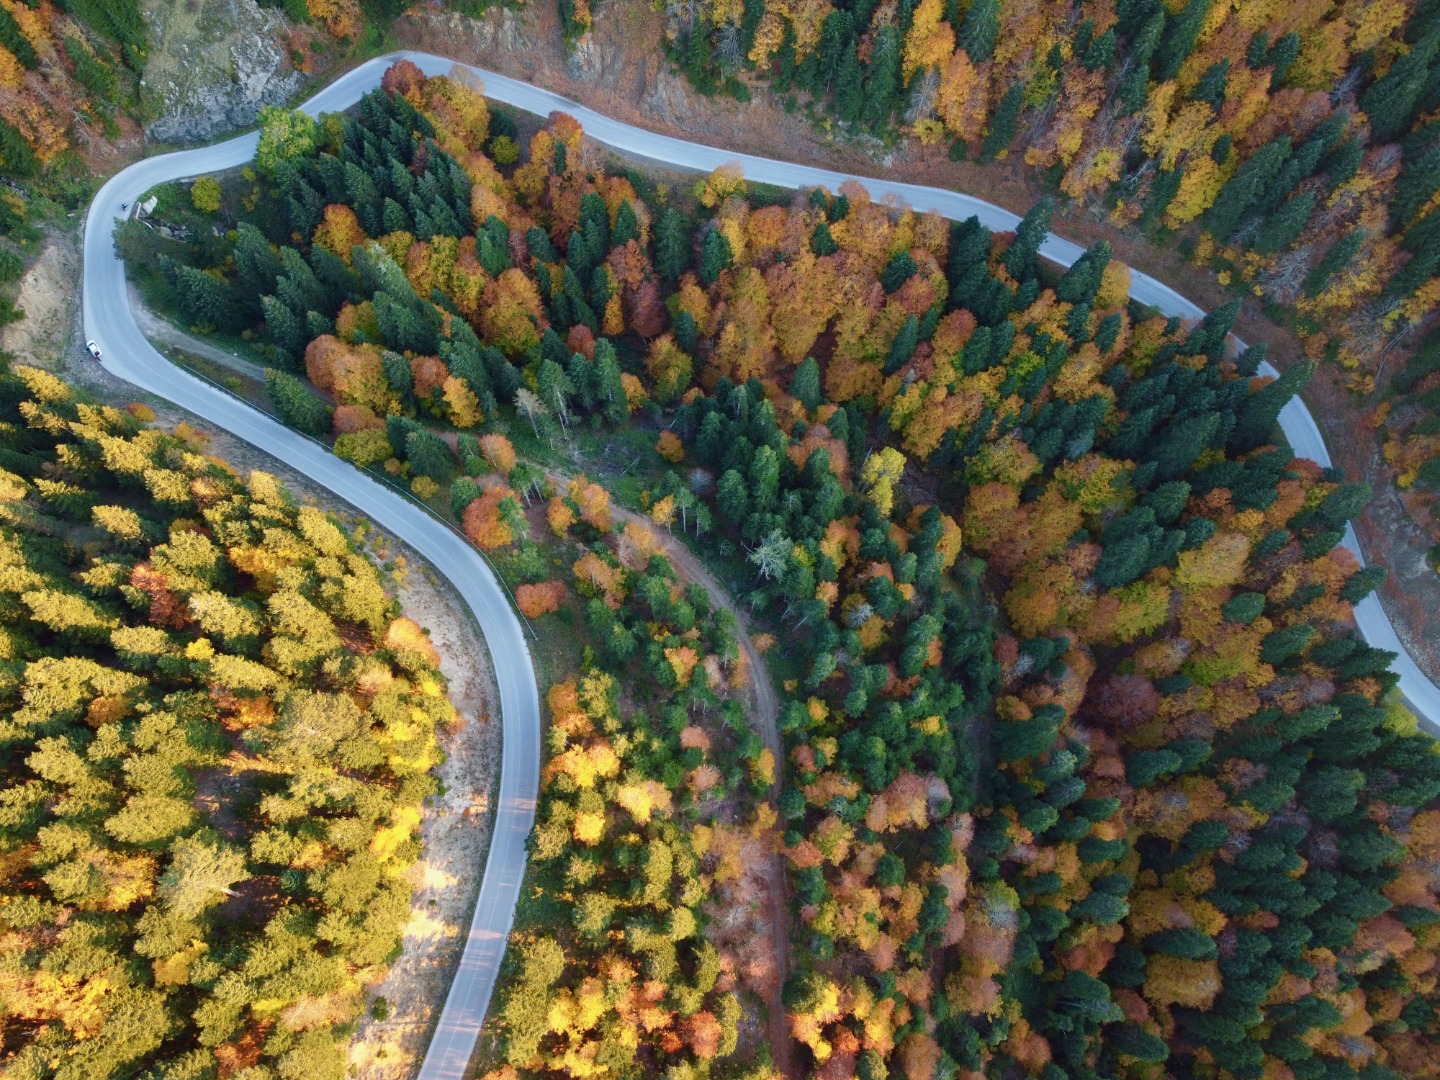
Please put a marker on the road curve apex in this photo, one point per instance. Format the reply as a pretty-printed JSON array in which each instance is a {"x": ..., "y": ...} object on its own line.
[{"x": 108, "y": 320}]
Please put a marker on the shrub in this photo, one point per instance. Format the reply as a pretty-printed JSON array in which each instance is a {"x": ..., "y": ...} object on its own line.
[{"x": 541, "y": 599}]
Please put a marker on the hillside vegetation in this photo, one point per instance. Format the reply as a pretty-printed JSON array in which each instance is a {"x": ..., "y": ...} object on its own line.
[
  {"x": 1088, "y": 773},
  {"x": 1291, "y": 147},
  {"x": 215, "y": 742}
]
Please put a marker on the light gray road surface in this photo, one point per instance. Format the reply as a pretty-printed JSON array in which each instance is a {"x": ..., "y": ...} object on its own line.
[{"x": 109, "y": 321}]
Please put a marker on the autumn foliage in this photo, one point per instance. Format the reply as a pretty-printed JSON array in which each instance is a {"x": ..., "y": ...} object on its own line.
[
  {"x": 541, "y": 599},
  {"x": 1086, "y": 770},
  {"x": 228, "y": 648}
]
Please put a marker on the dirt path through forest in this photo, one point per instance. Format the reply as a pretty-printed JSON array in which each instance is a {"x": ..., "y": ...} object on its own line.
[
  {"x": 764, "y": 716},
  {"x": 157, "y": 329}
]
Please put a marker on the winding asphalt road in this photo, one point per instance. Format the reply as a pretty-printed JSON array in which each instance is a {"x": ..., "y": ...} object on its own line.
[{"x": 109, "y": 320}]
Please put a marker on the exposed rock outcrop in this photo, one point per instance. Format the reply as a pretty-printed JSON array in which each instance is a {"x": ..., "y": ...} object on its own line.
[{"x": 213, "y": 66}]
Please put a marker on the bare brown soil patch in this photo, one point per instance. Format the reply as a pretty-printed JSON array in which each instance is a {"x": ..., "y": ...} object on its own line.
[{"x": 49, "y": 296}]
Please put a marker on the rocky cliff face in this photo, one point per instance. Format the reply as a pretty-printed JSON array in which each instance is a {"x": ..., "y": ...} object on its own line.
[
  {"x": 500, "y": 34},
  {"x": 213, "y": 65}
]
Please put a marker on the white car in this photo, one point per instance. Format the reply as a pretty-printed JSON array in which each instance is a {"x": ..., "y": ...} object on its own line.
[{"x": 94, "y": 349}]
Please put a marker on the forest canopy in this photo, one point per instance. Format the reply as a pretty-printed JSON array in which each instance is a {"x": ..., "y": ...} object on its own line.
[
  {"x": 216, "y": 738},
  {"x": 1087, "y": 770}
]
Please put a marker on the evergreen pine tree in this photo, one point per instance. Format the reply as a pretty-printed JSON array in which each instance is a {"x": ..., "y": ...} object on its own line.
[
  {"x": 1248, "y": 186},
  {"x": 497, "y": 246},
  {"x": 599, "y": 288},
  {"x": 609, "y": 388},
  {"x": 1362, "y": 583},
  {"x": 1303, "y": 161},
  {"x": 975, "y": 356},
  {"x": 463, "y": 492},
  {"x": 1004, "y": 122},
  {"x": 16, "y": 156},
  {"x": 1182, "y": 442},
  {"x": 1101, "y": 51},
  {"x": 298, "y": 286},
  {"x": 14, "y": 40},
  {"x": 286, "y": 329},
  {"x": 732, "y": 498},
  {"x": 1181, "y": 30},
  {"x": 627, "y": 225},
  {"x": 687, "y": 333},
  {"x": 1257, "y": 415},
  {"x": 256, "y": 261},
  {"x": 1244, "y": 609},
  {"x": 715, "y": 256},
  {"x": 1134, "y": 88},
  {"x": 883, "y": 79},
  {"x": 1417, "y": 183},
  {"x": 1081, "y": 281},
  {"x": 1029, "y": 235},
  {"x": 208, "y": 300},
  {"x": 1208, "y": 339},
  {"x": 700, "y": 59},
  {"x": 1390, "y": 101},
  {"x": 1282, "y": 58},
  {"x": 1280, "y": 645},
  {"x": 805, "y": 384},
  {"x": 835, "y": 35},
  {"x": 595, "y": 223},
  {"x": 849, "y": 85},
  {"x": 1337, "y": 258},
  {"x": 578, "y": 256},
  {"x": 555, "y": 388},
  {"x": 429, "y": 456},
  {"x": 394, "y": 217},
  {"x": 1108, "y": 332},
  {"x": 317, "y": 325},
  {"x": 969, "y": 257},
  {"x": 297, "y": 407},
  {"x": 821, "y": 242},
  {"x": 1282, "y": 227},
  {"x": 405, "y": 325},
  {"x": 398, "y": 430},
  {"x": 1421, "y": 241},
  {"x": 338, "y": 282},
  {"x": 401, "y": 378},
  {"x": 1133, "y": 1041},
  {"x": 897, "y": 271},
  {"x": 537, "y": 240},
  {"x": 672, "y": 245},
  {"x": 904, "y": 344},
  {"x": 980, "y": 30},
  {"x": 581, "y": 373},
  {"x": 1257, "y": 53},
  {"x": 493, "y": 259},
  {"x": 1211, "y": 87}
]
